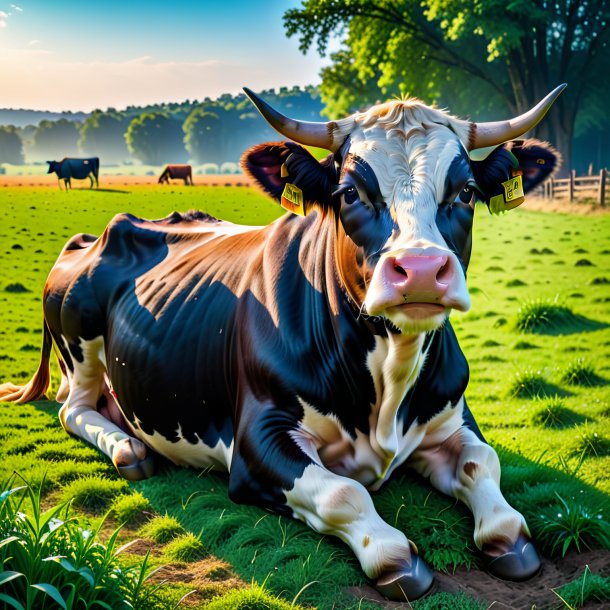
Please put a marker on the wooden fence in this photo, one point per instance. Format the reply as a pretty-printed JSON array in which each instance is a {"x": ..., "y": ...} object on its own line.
[{"x": 579, "y": 187}]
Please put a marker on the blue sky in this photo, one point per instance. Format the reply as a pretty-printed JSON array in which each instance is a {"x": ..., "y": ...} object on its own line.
[{"x": 62, "y": 55}]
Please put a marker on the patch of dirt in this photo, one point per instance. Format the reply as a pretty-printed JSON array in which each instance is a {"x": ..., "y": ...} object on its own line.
[
  {"x": 505, "y": 595},
  {"x": 208, "y": 578}
]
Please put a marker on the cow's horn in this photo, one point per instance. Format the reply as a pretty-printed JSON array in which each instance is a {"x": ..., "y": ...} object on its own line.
[
  {"x": 496, "y": 132},
  {"x": 303, "y": 132}
]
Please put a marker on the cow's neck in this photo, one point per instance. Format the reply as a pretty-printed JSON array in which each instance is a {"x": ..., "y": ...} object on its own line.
[{"x": 396, "y": 360}]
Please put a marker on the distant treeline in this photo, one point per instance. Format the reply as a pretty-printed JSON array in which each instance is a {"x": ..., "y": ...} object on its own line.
[{"x": 210, "y": 131}]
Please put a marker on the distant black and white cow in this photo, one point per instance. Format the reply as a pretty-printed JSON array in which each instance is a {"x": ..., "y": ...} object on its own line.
[
  {"x": 80, "y": 169},
  {"x": 177, "y": 172},
  {"x": 312, "y": 357}
]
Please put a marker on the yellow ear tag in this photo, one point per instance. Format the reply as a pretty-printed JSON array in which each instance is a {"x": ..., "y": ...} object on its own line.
[
  {"x": 512, "y": 197},
  {"x": 284, "y": 171},
  {"x": 292, "y": 199}
]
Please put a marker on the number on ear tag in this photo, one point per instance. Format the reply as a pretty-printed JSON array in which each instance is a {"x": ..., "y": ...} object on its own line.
[
  {"x": 512, "y": 197},
  {"x": 292, "y": 200}
]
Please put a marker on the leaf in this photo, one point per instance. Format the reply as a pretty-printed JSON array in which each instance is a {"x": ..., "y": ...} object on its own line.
[
  {"x": 102, "y": 604},
  {"x": 52, "y": 592},
  {"x": 5, "y": 494},
  {"x": 11, "y": 601},
  {"x": 8, "y": 576},
  {"x": 8, "y": 540}
]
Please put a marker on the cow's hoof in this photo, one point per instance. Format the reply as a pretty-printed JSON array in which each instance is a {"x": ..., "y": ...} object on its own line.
[
  {"x": 408, "y": 584},
  {"x": 139, "y": 471},
  {"x": 520, "y": 563}
]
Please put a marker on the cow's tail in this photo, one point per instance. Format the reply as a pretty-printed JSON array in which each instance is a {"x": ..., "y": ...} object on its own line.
[{"x": 36, "y": 387}]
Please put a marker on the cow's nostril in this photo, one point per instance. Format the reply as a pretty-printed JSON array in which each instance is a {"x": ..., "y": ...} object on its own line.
[
  {"x": 444, "y": 273},
  {"x": 400, "y": 270}
]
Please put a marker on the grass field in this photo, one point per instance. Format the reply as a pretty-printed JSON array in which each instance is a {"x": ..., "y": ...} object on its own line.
[{"x": 538, "y": 342}]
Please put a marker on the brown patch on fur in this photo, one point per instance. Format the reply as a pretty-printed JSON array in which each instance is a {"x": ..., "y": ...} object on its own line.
[{"x": 470, "y": 468}]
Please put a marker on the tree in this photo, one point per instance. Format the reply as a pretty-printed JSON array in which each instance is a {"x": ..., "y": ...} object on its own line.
[
  {"x": 56, "y": 140},
  {"x": 11, "y": 147},
  {"x": 103, "y": 135},
  {"x": 478, "y": 56},
  {"x": 156, "y": 138},
  {"x": 204, "y": 136}
]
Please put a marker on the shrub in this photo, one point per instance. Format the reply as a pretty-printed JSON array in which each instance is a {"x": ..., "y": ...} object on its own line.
[{"x": 162, "y": 529}]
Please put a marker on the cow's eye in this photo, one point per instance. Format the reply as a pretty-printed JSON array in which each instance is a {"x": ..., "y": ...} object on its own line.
[
  {"x": 350, "y": 194},
  {"x": 465, "y": 195}
]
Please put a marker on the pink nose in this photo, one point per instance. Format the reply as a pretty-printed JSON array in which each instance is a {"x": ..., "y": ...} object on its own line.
[{"x": 420, "y": 279}]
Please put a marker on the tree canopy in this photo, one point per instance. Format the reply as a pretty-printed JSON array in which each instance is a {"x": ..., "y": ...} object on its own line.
[
  {"x": 11, "y": 147},
  {"x": 483, "y": 58}
]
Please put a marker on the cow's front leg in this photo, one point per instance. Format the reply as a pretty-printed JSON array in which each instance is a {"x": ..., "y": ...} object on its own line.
[
  {"x": 275, "y": 467},
  {"x": 464, "y": 466}
]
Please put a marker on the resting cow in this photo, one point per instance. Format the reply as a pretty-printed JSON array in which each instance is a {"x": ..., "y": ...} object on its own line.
[
  {"x": 312, "y": 357},
  {"x": 177, "y": 172},
  {"x": 75, "y": 168}
]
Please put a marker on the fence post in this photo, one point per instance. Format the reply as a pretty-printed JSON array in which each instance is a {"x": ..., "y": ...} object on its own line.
[
  {"x": 602, "y": 187},
  {"x": 571, "y": 186},
  {"x": 551, "y": 188}
]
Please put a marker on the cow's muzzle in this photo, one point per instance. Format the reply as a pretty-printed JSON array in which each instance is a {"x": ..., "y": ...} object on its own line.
[{"x": 418, "y": 283}]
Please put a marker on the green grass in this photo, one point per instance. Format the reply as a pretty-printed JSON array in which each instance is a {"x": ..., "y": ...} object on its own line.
[
  {"x": 162, "y": 529},
  {"x": 543, "y": 446},
  {"x": 580, "y": 372},
  {"x": 93, "y": 492},
  {"x": 184, "y": 548},
  {"x": 131, "y": 508},
  {"x": 588, "y": 587}
]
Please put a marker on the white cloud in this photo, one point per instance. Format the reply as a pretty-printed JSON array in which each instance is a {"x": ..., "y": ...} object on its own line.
[
  {"x": 33, "y": 43},
  {"x": 3, "y": 19},
  {"x": 16, "y": 8}
]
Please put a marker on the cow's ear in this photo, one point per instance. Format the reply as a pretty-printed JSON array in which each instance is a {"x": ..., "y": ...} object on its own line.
[
  {"x": 291, "y": 175},
  {"x": 512, "y": 170}
]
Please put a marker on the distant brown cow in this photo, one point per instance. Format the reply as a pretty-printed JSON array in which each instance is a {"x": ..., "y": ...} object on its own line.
[{"x": 177, "y": 172}]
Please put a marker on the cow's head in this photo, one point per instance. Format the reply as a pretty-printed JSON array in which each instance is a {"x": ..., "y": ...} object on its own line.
[
  {"x": 53, "y": 166},
  {"x": 401, "y": 187}
]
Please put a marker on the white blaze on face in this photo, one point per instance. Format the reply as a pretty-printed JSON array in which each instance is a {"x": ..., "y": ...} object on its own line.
[{"x": 417, "y": 279}]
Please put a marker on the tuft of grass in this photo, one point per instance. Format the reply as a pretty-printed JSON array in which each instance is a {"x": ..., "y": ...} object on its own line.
[
  {"x": 590, "y": 442},
  {"x": 551, "y": 412},
  {"x": 93, "y": 492},
  {"x": 252, "y": 598},
  {"x": 184, "y": 548},
  {"x": 588, "y": 587},
  {"x": 449, "y": 601},
  {"x": 515, "y": 283},
  {"x": 16, "y": 287},
  {"x": 543, "y": 315},
  {"x": 568, "y": 524},
  {"x": 131, "y": 508},
  {"x": 162, "y": 529},
  {"x": 580, "y": 372},
  {"x": 528, "y": 384},
  {"x": 525, "y": 345}
]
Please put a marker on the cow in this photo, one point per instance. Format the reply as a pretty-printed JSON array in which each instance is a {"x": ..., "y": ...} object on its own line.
[
  {"x": 177, "y": 172},
  {"x": 313, "y": 357},
  {"x": 80, "y": 169}
]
